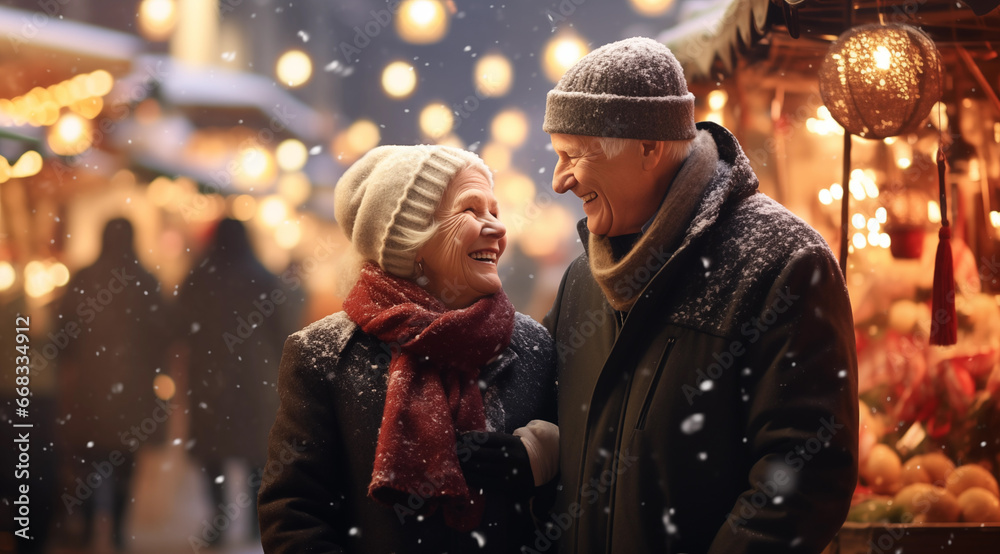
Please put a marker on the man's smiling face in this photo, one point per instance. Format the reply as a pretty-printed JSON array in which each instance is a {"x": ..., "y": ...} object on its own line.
[{"x": 618, "y": 196}]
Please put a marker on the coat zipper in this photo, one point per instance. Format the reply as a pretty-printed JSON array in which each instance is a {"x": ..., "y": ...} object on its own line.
[{"x": 640, "y": 424}]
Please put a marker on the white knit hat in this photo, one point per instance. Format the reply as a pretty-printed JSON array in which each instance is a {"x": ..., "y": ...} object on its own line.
[
  {"x": 633, "y": 88},
  {"x": 392, "y": 189}
]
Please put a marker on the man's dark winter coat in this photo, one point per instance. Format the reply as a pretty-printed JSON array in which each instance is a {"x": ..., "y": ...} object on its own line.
[{"x": 721, "y": 416}]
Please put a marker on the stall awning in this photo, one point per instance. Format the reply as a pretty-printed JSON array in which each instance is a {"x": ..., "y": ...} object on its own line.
[
  {"x": 220, "y": 97},
  {"x": 39, "y": 50},
  {"x": 715, "y": 29},
  {"x": 714, "y": 33}
]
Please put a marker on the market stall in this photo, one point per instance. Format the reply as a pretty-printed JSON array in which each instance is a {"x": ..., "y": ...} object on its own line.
[{"x": 930, "y": 413}]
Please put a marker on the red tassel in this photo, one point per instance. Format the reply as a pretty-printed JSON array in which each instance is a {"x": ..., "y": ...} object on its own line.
[{"x": 944, "y": 324}]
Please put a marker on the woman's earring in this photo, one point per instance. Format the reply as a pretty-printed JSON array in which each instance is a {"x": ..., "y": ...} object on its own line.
[{"x": 421, "y": 279}]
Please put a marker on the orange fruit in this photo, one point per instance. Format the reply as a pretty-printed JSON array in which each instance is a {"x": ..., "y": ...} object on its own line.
[
  {"x": 882, "y": 470},
  {"x": 938, "y": 466},
  {"x": 914, "y": 472},
  {"x": 922, "y": 502},
  {"x": 979, "y": 505},
  {"x": 971, "y": 475}
]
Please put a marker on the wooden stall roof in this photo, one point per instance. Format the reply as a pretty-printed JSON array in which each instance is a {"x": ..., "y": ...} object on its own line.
[{"x": 715, "y": 34}]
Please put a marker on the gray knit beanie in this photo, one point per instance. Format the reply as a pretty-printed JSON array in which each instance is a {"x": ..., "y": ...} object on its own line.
[
  {"x": 633, "y": 88},
  {"x": 392, "y": 189}
]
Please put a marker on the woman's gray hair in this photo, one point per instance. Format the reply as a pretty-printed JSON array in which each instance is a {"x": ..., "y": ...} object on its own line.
[{"x": 676, "y": 150}]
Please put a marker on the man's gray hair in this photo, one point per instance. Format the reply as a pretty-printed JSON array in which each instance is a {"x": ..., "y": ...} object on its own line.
[{"x": 676, "y": 150}]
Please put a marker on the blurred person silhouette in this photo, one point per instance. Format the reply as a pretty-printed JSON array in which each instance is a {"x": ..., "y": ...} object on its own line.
[
  {"x": 234, "y": 316},
  {"x": 111, "y": 328}
]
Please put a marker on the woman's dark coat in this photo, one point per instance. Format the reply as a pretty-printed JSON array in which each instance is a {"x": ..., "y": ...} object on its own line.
[
  {"x": 722, "y": 416},
  {"x": 332, "y": 384}
]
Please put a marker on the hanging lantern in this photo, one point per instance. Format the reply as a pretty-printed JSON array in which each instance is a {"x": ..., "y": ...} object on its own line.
[{"x": 880, "y": 81}]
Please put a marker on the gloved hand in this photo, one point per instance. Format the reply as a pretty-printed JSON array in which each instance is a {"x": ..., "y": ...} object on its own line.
[
  {"x": 541, "y": 440},
  {"x": 524, "y": 460},
  {"x": 495, "y": 460}
]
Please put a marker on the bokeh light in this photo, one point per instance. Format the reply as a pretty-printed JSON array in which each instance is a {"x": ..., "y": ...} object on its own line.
[
  {"x": 399, "y": 79},
  {"x": 164, "y": 387},
  {"x": 548, "y": 229},
  {"x": 291, "y": 155},
  {"x": 30, "y": 163},
  {"x": 287, "y": 234},
  {"x": 436, "y": 120},
  {"x": 294, "y": 188},
  {"x": 363, "y": 135},
  {"x": 242, "y": 207},
  {"x": 510, "y": 127},
  {"x": 272, "y": 210},
  {"x": 651, "y": 8},
  {"x": 157, "y": 18},
  {"x": 254, "y": 165},
  {"x": 162, "y": 192},
  {"x": 421, "y": 21},
  {"x": 560, "y": 53},
  {"x": 7, "y": 275},
  {"x": 493, "y": 75},
  {"x": 294, "y": 68},
  {"x": 37, "y": 281},
  {"x": 717, "y": 99},
  {"x": 496, "y": 156},
  {"x": 58, "y": 274},
  {"x": 71, "y": 135}
]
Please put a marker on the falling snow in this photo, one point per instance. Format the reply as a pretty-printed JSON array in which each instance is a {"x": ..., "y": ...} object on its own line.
[{"x": 692, "y": 424}]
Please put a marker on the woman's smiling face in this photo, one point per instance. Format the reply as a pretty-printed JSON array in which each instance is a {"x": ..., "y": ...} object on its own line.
[{"x": 460, "y": 260}]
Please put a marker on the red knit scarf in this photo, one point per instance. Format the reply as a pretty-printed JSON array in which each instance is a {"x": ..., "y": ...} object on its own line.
[{"x": 433, "y": 390}]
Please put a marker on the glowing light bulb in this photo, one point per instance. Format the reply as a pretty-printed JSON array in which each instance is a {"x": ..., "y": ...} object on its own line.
[{"x": 883, "y": 58}]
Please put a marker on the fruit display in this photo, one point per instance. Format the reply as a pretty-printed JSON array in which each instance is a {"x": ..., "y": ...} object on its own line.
[
  {"x": 929, "y": 421},
  {"x": 925, "y": 488}
]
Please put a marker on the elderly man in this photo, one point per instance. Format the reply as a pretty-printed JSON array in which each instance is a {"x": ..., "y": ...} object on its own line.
[{"x": 707, "y": 368}]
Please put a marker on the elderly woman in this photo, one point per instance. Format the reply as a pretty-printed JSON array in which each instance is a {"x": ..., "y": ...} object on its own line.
[{"x": 416, "y": 420}]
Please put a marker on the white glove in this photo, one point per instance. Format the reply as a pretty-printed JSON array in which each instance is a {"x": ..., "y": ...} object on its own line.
[{"x": 541, "y": 440}]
